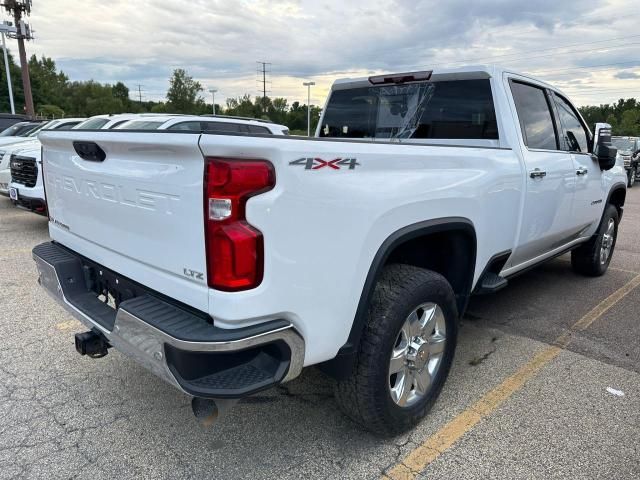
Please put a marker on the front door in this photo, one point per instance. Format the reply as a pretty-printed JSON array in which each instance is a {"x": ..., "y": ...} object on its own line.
[
  {"x": 550, "y": 177},
  {"x": 588, "y": 202}
]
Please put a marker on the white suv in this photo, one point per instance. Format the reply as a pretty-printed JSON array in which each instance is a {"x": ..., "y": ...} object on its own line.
[{"x": 9, "y": 144}]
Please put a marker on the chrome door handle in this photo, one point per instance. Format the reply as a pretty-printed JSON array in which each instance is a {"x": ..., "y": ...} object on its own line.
[
  {"x": 582, "y": 171},
  {"x": 537, "y": 173}
]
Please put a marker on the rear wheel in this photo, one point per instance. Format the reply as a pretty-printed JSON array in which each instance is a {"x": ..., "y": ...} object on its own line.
[
  {"x": 593, "y": 257},
  {"x": 405, "y": 351}
]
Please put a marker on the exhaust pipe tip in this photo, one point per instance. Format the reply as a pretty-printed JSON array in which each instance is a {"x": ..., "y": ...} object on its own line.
[
  {"x": 205, "y": 410},
  {"x": 208, "y": 410}
]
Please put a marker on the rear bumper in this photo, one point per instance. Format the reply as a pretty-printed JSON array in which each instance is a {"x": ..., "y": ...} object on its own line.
[{"x": 175, "y": 343}]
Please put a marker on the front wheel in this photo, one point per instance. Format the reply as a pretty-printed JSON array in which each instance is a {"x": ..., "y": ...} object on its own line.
[
  {"x": 593, "y": 258},
  {"x": 405, "y": 353}
]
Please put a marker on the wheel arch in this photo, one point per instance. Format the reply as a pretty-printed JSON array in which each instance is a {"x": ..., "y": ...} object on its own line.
[
  {"x": 617, "y": 196},
  {"x": 446, "y": 245}
]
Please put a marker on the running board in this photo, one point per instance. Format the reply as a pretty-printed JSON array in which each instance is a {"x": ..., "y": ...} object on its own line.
[{"x": 490, "y": 283}]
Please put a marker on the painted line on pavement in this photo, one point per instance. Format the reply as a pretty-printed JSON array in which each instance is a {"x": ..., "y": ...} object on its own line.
[{"x": 418, "y": 459}]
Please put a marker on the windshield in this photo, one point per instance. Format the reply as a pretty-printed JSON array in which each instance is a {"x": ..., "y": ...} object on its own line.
[
  {"x": 623, "y": 144},
  {"x": 14, "y": 130},
  {"x": 140, "y": 125},
  {"x": 460, "y": 109}
]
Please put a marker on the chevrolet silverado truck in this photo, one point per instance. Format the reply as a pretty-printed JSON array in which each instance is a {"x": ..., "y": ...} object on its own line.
[{"x": 225, "y": 263}]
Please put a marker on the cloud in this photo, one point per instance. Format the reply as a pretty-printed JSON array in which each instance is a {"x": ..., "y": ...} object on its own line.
[
  {"x": 218, "y": 41},
  {"x": 625, "y": 75}
]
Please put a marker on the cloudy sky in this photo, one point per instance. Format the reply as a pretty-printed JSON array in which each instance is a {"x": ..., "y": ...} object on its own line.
[{"x": 590, "y": 48}]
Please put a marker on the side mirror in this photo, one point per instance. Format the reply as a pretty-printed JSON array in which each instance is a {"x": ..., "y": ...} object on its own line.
[{"x": 603, "y": 149}]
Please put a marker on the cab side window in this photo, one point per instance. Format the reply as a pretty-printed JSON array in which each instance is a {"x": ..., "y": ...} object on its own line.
[
  {"x": 536, "y": 119},
  {"x": 574, "y": 137}
]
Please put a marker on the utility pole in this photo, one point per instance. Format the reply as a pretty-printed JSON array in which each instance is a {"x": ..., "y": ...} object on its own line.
[
  {"x": 213, "y": 102},
  {"x": 309, "y": 85},
  {"x": 6, "y": 28},
  {"x": 18, "y": 8},
  {"x": 140, "y": 92},
  {"x": 262, "y": 71}
]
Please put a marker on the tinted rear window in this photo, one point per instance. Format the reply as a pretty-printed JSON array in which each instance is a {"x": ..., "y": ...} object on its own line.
[
  {"x": 535, "y": 116},
  {"x": 257, "y": 129},
  {"x": 460, "y": 109},
  {"x": 223, "y": 127},
  {"x": 91, "y": 124},
  {"x": 66, "y": 126},
  {"x": 140, "y": 125}
]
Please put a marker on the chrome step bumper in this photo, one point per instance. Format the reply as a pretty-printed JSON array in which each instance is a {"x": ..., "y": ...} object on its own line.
[{"x": 173, "y": 343}]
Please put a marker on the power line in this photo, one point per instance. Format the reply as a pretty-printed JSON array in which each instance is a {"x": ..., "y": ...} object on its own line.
[{"x": 595, "y": 67}]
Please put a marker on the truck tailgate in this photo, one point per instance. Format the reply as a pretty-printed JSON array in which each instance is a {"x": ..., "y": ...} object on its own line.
[{"x": 138, "y": 212}]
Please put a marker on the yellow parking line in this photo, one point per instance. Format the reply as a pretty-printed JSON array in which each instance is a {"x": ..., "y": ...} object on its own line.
[
  {"x": 10, "y": 252},
  {"x": 419, "y": 458},
  {"x": 68, "y": 325}
]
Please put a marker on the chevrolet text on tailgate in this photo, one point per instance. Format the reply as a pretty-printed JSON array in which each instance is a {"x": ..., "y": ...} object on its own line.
[{"x": 227, "y": 263}]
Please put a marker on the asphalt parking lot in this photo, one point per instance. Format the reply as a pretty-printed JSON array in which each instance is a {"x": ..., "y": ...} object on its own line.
[{"x": 545, "y": 384}]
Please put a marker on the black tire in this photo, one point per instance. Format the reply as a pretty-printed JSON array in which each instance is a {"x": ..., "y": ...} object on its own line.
[
  {"x": 631, "y": 177},
  {"x": 365, "y": 396},
  {"x": 586, "y": 259}
]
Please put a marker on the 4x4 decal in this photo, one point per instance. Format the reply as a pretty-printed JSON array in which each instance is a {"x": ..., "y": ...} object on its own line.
[{"x": 311, "y": 163}]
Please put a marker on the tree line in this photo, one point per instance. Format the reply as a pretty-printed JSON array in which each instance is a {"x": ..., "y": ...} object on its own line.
[
  {"x": 54, "y": 95},
  {"x": 623, "y": 116}
]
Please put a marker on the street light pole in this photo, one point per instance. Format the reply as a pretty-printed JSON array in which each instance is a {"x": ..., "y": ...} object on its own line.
[
  {"x": 309, "y": 85},
  {"x": 213, "y": 103},
  {"x": 6, "y": 66}
]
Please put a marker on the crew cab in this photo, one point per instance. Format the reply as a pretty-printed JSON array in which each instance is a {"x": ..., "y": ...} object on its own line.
[{"x": 226, "y": 263}]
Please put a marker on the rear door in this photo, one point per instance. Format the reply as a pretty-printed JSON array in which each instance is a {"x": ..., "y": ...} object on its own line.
[
  {"x": 138, "y": 211},
  {"x": 550, "y": 176}
]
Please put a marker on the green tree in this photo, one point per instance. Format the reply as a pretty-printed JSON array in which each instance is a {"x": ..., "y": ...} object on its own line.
[
  {"x": 623, "y": 116},
  {"x": 47, "y": 84},
  {"x": 50, "y": 111},
  {"x": 183, "y": 93},
  {"x": 121, "y": 92},
  {"x": 16, "y": 84}
]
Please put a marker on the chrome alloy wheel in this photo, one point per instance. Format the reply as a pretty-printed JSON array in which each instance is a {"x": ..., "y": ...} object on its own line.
[
  {"x": 417, "y": 354},
  {"x": 607, "y": 241}
]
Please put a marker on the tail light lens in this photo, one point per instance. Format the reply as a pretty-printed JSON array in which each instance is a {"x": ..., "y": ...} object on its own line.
[{"x": 235, "y": 249}]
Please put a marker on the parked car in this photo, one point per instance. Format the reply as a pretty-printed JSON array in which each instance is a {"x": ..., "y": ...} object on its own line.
[
  {"x": 206, "y": 123},
  {"x": 8, "y": 119},
  {"x": 60, "y": 124},
  {"x": 25, "y": 186},
  {"x": 226, "y": 263},
  {"x": 29, "y": 140},
  {"x": 106, "y": 122},
  {"x": 20, "y": 129},
  {"x": 627, "y": 146}
]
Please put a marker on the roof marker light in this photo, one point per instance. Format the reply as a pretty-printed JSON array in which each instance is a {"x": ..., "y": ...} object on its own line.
[{"x": 400, "y": 77}]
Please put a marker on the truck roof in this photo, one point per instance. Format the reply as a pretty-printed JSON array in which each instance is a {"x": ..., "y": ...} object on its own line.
[{"x": 467, "y": 72}]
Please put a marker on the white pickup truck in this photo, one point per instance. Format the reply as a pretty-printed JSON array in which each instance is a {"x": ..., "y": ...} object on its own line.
[{"x": 225, "y": 263}]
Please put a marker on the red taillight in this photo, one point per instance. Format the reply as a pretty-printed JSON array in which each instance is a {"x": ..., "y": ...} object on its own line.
[{"x": 235, "y": 250}]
